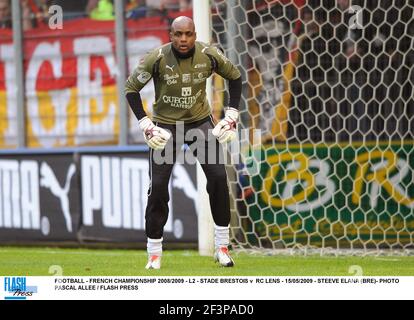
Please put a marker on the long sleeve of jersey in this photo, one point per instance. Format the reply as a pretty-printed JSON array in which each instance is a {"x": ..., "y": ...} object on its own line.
[
  {"x": 136, "y": 81},
  {"x": 225, "y": 68},
  {"x": 135, "y": 103}
]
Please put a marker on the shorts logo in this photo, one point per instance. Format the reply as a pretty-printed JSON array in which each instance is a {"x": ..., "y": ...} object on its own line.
[
  {"x": 186, "y": 91},
  {"x": 144, "y": 77},
  {"x": 186, "y": 78}
]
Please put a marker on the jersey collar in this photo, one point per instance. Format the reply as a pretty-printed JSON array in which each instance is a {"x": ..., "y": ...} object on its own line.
[{"x": 179, "y": 55}]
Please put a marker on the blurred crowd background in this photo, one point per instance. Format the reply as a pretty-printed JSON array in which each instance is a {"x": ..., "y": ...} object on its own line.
[
  {"x": 35, "y": 13},
  {"x": 309, "y": 76}
]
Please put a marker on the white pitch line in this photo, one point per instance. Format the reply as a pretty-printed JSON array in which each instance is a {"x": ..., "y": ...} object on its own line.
[
  {"x": 74, "y": 253},
  {"x": 385, "y": 259}
]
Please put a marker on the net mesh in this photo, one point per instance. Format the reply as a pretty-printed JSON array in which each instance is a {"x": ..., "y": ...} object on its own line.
[{"x": 329, "y": 85}]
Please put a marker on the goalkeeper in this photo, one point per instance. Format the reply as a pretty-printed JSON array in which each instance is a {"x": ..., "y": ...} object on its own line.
[{"x": 180, "y": 70}]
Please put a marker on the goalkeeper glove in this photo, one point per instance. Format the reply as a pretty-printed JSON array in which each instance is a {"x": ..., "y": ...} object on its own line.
[
  {"x": 225, "y": 130},
  {"x": 155, "y": 137}
]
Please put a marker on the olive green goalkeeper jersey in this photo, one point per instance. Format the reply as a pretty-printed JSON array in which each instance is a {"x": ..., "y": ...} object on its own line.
[{"x": 180, "y": 84}]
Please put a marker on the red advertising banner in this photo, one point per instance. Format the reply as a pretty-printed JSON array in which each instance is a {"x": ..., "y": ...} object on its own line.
[{"x": 70, "y": 81}]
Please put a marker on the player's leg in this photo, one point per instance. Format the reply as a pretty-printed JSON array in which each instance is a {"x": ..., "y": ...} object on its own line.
[
  {"x": 218, "y": 191},
  {"x": 210, "y": 155},
  {"x": 156, "y": 214}
]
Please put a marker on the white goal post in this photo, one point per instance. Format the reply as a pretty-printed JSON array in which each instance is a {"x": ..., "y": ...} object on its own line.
[{"x": 202, "y": 20}]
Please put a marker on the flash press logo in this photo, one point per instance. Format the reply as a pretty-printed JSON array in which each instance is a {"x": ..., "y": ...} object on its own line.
[{"x": 16, "y": 288}]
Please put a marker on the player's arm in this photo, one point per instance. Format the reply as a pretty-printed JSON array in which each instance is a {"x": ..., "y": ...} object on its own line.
[
  {"x": 155, "y": 136},
  {"x": 136, "y": 81},
  {"x": 225, "y": 130}
]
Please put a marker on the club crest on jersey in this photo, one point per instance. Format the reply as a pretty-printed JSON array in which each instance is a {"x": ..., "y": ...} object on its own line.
[
  {"x": 186, "y": 91},
  {"x": 144, "y": 77},
  {"x": 186, "y": 78}
]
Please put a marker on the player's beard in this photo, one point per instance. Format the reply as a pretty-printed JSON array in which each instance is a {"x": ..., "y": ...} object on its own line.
[{"x": 181, "y": 55}]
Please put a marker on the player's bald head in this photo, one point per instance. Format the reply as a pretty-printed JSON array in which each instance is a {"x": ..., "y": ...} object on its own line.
[
  {"x": 183, "y": 22},
  {"x": 183, "y": 34}
]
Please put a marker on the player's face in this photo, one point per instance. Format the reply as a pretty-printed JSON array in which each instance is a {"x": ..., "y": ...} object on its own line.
[{"x": 183, "y": 38}]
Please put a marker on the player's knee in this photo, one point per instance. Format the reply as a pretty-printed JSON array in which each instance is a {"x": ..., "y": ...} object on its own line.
[{"x": 160, "y": 184}]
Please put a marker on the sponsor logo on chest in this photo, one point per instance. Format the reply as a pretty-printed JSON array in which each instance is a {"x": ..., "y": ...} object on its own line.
[
  {"x": 186, "y": 91},
  {"x": 171, "y": 79},
  {"x": 186, "y": 101},
  {"x": 199, "y": 77},
  {"x": 200, "y": 65}
]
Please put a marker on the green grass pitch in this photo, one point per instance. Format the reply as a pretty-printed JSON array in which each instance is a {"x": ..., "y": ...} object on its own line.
[{"x": 103, "y": 262}]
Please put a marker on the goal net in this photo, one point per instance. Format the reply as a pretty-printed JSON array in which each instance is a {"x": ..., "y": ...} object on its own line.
[{"x": 329, "y": 84}]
